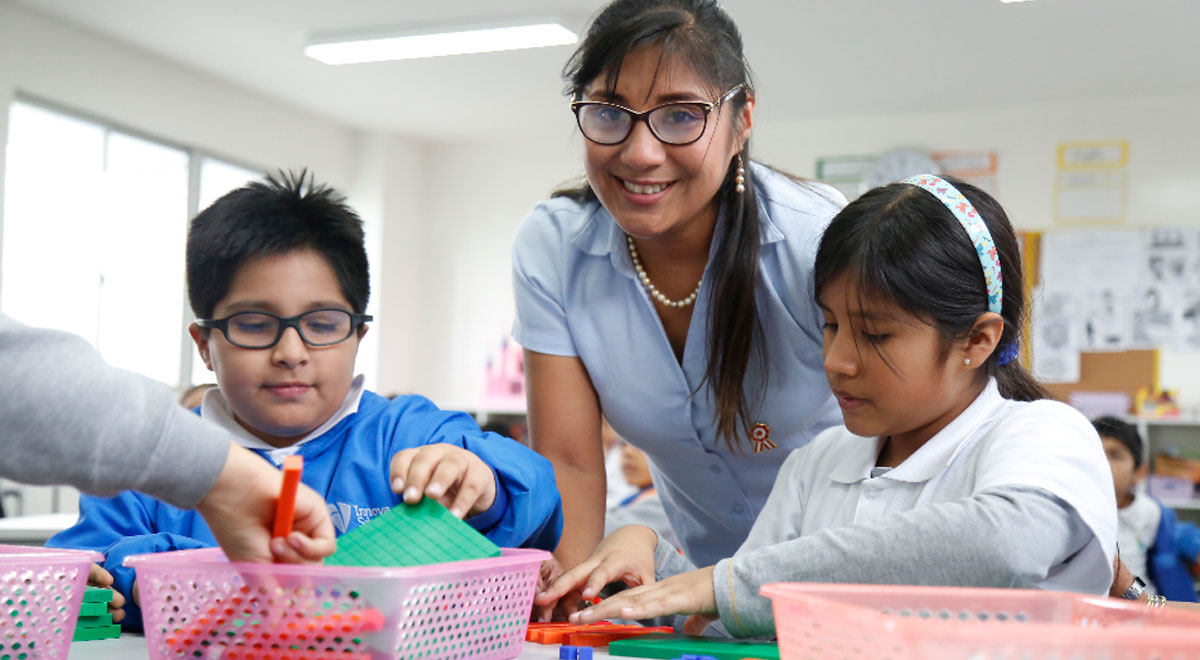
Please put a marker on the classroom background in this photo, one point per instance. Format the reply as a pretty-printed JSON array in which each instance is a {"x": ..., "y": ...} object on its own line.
[{"x": 122, "y": 118}]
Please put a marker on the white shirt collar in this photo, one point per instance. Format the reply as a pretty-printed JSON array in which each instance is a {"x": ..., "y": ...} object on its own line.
[
  {"x": 934, "y": 455},
  {"x": 215, "y": 409}
]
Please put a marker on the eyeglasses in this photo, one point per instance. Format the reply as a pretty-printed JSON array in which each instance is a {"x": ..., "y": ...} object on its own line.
[
  {"x": 319, "y": 327},
  {"x": 676, "y": 123}
]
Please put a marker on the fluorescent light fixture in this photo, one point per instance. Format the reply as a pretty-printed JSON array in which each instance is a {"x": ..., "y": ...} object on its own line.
[
  {"x": 461, "y": 42},
  {"x": 1009, "y": 1}
]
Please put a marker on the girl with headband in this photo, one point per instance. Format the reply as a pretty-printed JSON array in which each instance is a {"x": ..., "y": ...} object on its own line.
[{"x": 953, "y": 468}]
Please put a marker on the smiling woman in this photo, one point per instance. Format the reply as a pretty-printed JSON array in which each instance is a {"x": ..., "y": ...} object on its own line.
[{"x": 659, "y": 291}]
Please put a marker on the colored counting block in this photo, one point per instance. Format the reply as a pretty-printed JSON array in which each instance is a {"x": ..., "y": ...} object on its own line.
[
  {"x": 568, "y": 653},
  {"x": 94, "y": 621},
  {"x": 412, "y": 535},
  {"x": 93, "y": 609},
  {"x": 97, "y": 595},
  {"x": 606, "y": 637},
  {"x": 677, "y": 646},
  {"x": 99, "y": 632}
]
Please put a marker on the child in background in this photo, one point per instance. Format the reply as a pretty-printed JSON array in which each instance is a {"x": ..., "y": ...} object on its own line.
[
  {"x": 643, "y": 506},
  {"x": 1150, "y": 541},
  {"x": 194, "y": 395},
  {"x": 952, "y": 468},
  {"x": 278, "y": 280}
]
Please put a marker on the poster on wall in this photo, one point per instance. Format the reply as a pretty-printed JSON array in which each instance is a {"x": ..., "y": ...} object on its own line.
[
  {"x": 1098, "y": 270},
  {"x": 1092, "y": 182},
  {"x": 1055, "y": 339}
]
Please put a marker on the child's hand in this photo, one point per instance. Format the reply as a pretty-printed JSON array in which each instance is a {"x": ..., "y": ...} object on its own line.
[
  {"x": 688, "y": 593},
  {"x": 458, "y": 479},
  {"x": 627, "y": 554},
  {"x": 98, "y": 577}
]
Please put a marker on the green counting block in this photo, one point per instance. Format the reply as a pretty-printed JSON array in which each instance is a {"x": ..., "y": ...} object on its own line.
[
  {"x": 94, "y": 621},
  {"x": 102, "y": 632},
  {"x": 93, "y": 609},
  {"x": 412, "y": 535},
  {"x": 97, "y": 595},
  {"x": 663, "y": 645}
]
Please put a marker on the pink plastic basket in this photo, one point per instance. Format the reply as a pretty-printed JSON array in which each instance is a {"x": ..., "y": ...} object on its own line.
[
  {"x": 41, "y": 590},
  {"x": 851, "y": 621},
  {"x": 195, "y": 604}
]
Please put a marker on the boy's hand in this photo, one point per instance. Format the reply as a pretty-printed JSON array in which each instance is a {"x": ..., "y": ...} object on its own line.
[
  {"x": 627, "y": 555},
  {"x": 687, "y": 593},
  {"x": 455, "y": 477},
  {"x": 98, "y": 577}
]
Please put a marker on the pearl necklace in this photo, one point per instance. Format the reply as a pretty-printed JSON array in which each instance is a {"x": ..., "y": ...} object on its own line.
[{"x": 645, "y": 279}]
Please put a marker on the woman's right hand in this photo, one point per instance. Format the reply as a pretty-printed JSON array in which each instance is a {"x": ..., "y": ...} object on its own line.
[{"x": 627, "y": 555}]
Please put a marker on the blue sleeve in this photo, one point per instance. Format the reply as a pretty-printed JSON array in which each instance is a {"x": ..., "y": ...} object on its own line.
[
  {"x": 123, "y": 577},
  {"x": 105, "y": 520},
  {"x": 539, "y": 261},
  {"x": 1187, "y": 541},
  {"x": 528, "y": 510}
]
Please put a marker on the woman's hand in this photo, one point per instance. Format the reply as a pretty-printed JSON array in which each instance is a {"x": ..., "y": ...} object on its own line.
[
  {"x": 458, "y": 479},
  {"x": 687, "y": 593},
  {"x": 627, "y": 555}
]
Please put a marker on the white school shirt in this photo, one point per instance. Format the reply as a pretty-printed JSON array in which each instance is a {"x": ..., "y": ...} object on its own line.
[
  {"x": 577, "y": 295},
  {"x": 1137, "y": 527},
  {"x": 994, "y": 442}
]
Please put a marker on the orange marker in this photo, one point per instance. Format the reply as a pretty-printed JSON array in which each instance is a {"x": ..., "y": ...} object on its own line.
[{"x": 285, "y": 506}]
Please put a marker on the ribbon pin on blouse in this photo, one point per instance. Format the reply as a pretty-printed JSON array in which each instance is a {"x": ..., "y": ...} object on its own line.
[{"x": 761, "y": 435}]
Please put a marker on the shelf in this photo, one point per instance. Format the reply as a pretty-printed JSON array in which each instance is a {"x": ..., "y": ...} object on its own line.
[{"x": 1185, "y": 505}]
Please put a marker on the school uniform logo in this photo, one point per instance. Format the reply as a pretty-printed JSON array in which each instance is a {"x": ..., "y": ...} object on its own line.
[
  {"x": 347, "y": 516},
  {"x": 761, "y": 435}
]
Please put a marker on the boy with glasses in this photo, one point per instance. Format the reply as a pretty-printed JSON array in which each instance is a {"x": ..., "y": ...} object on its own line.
[{"x": 278, "y": 280}]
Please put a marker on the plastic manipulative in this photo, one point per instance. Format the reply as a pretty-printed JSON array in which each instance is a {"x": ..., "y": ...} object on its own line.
[
  {"x": 606, "y": 637},
  {"x": 285, "y": 506},
  {"x": 97, "y": 595},
  {"x": 98, "y": 632},
  {"x": 412, "y": 535},
  {"x": 665, "y": 646},
  {"x": 93, "y": 609},
  {"x": 95, "y": 621}
]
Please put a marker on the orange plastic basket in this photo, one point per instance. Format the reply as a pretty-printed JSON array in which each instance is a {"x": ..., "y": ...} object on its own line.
[{"x": 883, "y": 622}]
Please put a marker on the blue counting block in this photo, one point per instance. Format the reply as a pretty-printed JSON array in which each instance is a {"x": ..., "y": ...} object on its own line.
[
  {"x": 585, "y": 653},
  {"x": 569, "y": 653}
]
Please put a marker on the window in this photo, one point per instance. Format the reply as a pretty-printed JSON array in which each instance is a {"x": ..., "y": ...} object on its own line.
[{"x": 94, "y": 228}]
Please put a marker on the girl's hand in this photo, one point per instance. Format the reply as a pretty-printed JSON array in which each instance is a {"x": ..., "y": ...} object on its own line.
[
  {"x": 687, "y": 593},
  {"x": 458, "y": 479},
  {"x": 98, "y": 577},
  {"x": 627, "y": 554}
]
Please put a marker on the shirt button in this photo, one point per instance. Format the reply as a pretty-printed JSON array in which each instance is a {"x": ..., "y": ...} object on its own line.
[
  {"x": 738, "y": 508},
  {"x": 716, "y": 469}
]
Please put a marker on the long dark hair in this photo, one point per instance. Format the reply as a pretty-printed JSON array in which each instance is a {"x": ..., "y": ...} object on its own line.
[
  {"x": 700, "y": 33},
  {"x": 900, "y": 243}
]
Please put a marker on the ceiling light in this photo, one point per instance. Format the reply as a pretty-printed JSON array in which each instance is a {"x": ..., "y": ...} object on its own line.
[
  {"x": 458, "y": 42},
  {"x": 1008, "y": 1}
]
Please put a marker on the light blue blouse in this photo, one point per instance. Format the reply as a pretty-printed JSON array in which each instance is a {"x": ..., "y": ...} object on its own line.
[{"x": 577, "y": 295}]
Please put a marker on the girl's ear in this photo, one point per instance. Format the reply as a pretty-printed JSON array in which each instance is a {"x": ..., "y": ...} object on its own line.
[{"x": 983, "y": 340}]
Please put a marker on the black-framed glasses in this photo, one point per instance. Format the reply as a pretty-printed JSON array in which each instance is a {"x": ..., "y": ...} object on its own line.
[
  {"x": 319, "y": 327},
  {"x": 676, "y": 123}
]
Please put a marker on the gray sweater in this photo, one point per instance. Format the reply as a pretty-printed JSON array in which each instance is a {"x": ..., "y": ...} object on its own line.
[
  {"x": 67, "y": 417},
  {"x": 1004, "y": 537}
]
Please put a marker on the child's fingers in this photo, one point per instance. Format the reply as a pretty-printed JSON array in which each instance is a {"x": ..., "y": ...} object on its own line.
[
  {"x": 399, "y": 470},
  {"x": 696, "y": 624},
  {"x": 421, "y": 467},
  {"x": 476, "y": 491},
  {"x": 300, "y": 548},
  {"x": 450, "y": 472},
  {"x": 98, "y": 577},
  {"x": 568, "y": 581},
  {"x": 117, "y": 602},
  {"x": 117, "y": 615}
]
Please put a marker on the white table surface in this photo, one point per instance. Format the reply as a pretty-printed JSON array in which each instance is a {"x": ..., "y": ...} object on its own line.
[
  {"x": 34, "y": 530},
  {"x": 133, "y": 647}
]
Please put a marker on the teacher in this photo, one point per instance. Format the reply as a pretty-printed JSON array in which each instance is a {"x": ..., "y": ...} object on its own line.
[{"x": 672, "y": 290}]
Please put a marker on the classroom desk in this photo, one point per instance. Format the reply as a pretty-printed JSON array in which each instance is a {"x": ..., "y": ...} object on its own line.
[
  {"x": 34, "y": 530},
  {"x": 133, "y": 647}
]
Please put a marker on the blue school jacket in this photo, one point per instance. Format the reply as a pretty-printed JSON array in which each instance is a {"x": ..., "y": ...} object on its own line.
[
  {"x": 350, "y": 466},
  {"x": 1169, "y": 562}
]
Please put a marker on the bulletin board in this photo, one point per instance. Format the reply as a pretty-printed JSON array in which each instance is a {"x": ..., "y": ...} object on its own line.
[
  {"x": 1123, "y": 371},
  {"x": 1111, "y": 371}
]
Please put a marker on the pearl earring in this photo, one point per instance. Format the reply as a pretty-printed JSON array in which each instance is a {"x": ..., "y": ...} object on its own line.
[
  {"x": 966, "y": 360},
  {"x": 741, "y": 176}
]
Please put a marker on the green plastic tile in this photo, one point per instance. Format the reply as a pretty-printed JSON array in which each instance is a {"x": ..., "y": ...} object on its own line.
[
  {"x": 412, "y": 535},
  {"x": 97, "y": 595},
  {"x": 663, "y": 645},
  {"x": 93, "y": 609},
  {"x": 94, "y": 621},
  {"x": 92, "y": 634}
]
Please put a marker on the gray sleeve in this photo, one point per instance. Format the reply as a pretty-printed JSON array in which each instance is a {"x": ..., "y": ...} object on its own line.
[
  {"x": 1003, "y": 537},
  {"x": 67, "y": 417}
]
